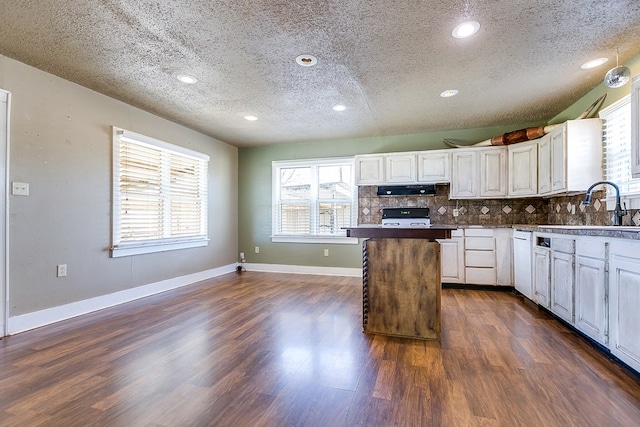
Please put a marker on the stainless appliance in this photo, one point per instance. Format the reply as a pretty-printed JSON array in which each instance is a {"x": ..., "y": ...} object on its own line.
[{"x": 405, "y": 217}]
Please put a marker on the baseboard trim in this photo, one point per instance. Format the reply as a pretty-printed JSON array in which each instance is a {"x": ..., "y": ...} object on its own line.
[
  {"x": 498, "y": 288},
  {"x": 36, "y": 319},
  {"x": 303, "y": 269}
]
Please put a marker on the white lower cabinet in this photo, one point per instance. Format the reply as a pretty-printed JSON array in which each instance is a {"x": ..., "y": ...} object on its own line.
[
  {"x": 452, "y": 258},
  {"x": 542, "y": 275},
  {"x": 504, "y": 256},
  {"x": 624, "y": 302},
  {"x": 562, "y": 279},
  {"x": 477, "y": 256},
  {"x": 591, "y": 289}
]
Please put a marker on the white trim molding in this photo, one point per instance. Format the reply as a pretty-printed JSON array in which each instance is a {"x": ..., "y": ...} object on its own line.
[
  {"x": 303, "y": 269},
  {"x": 36, "y": 319}
]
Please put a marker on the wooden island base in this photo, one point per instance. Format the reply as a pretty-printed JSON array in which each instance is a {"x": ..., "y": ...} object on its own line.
[{"x": 401, "y": 288}]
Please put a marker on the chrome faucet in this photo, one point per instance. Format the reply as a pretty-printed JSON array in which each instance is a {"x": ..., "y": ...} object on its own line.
[{"x": 618, "y": 212}]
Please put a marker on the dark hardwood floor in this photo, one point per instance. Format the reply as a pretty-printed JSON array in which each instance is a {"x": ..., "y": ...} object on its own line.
[{"x": 261, "y": 349}]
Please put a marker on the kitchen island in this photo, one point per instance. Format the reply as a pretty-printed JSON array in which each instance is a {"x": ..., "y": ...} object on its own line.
[{"x": 401, "y": 280}]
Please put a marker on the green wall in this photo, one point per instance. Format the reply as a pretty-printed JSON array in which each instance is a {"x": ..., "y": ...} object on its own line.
[
  {"x": 254, "y": 196},
  {"x": 254, "y": 184}
]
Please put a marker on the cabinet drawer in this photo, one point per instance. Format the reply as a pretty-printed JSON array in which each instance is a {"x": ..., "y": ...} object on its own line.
[
  {"x": 562, "y": 245},
  {"x": 591, "y": 249},
  {"x": 457, "y": 233},
  {"x": 480, "y": 259},
  {"x": 478, "y": 232},
  {"x": 480, "y": 276},
  {"x": 479, "y": 243}
]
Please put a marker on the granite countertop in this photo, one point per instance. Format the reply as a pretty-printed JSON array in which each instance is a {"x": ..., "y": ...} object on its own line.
[{"x": 622, "y": 232}]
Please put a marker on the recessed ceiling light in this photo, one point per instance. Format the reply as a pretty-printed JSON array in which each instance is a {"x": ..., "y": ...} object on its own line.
[
  {"x": 594, "y": 63},
  {"x": 449, "y": 93},
  {"x": 339, "y": 107},
  {"x": 307, "y": 60},
  {"x": 466, "y": 29},
  {"x": 185, "y": 78},
  {"x": 251, "y": 118}
]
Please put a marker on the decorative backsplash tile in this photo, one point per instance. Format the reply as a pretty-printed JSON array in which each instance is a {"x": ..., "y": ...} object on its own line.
[{"x": 567, "y": 210}]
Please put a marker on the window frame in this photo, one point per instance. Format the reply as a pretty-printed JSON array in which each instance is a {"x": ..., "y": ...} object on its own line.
[
  {"x": 276, "y": 166},
  {"x": 122, "y": 247},
  {"x": 630, "y": 199}
]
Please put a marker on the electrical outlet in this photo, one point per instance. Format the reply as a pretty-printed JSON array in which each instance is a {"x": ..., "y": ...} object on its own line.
[
  {"x": 326, "y": 252},
  {"x": 61, "y": 270},
  {"x": 242, "y": 256},
  {"x": 20, "y": 188},
  {"x": 257, "y": 249},
  {"x": 456, "y": 212}
]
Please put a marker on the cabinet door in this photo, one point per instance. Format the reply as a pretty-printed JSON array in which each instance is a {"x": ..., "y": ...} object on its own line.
[
  {"x": 635, "y": 127},
  {"x": 452, "y": 260},
  {"x": 624, "y": 316},
  {"x": 590, "y": 316},
  {"x": 562, "y": 285},
  {"x": 493, "y": 172},
  {"x": 558, "y": 159},
  {"x": 400, "y": 168},
  {"x": 465, "y": 174},
  {"x": 523, "y": 170},
  {"x": 504, "y": 259},
  {"x": 522, "y": 268},
  {"x": 434, "y": 167},
  {"x": 369, "y": 170},
  {"x": 541, "y": 275},
  {"x": 544, "y": 165}
]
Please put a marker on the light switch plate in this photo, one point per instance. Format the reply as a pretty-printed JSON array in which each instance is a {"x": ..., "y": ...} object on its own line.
[{"x": 20, "y": 188}]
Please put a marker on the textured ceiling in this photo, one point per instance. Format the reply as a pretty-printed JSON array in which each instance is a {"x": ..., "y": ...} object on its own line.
[{"x": 387, "y": 61}]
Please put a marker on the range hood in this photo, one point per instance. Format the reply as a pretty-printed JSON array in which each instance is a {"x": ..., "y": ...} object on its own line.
[{"x": 407, "y": 190}]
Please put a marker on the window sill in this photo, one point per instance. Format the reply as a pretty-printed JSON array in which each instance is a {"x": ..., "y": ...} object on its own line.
[
  {"x": 123, "y": 251},
  {"x": 341, "y": 240}
]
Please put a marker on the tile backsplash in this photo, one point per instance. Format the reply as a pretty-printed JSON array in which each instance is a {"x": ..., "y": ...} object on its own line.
[{"x": 568, "y": 210}]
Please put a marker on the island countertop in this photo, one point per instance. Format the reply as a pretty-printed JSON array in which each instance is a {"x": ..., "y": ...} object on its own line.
[{"x": 377, "y": 231}]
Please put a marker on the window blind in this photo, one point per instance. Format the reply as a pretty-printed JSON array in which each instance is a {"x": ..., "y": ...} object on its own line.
[
  {"x": 160, "y": 193},
  {"x": 617, "y": 147},
  {"x": 313, "y": 198}
]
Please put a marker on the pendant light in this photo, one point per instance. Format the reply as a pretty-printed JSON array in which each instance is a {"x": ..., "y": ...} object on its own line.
[{"x": 618, "y": 76}]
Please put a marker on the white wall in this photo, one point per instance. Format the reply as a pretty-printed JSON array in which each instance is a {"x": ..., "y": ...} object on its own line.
[{"x": 60, "y": 143}]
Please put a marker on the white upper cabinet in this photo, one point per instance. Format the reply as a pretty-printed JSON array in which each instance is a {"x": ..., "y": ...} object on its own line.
[
  {"x": 425, "y": 167},
  {"x": 635, "y": 127},
  {"x": 370, "y": 169},
  {"x": 523, "y": 169},
  {"x": 434, "y": 166},
  {"x": 493, "y": 172},
  {"x": 575, "y": 157},
  {"x": 479, "y": 172},
  {"x": 465, "y": 172},
  {"x": 400, "y": 168},
  {"x": 544, "y": 165}
]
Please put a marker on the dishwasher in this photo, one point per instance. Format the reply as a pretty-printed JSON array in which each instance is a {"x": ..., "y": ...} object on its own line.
[{"x": 522, "y": 268}]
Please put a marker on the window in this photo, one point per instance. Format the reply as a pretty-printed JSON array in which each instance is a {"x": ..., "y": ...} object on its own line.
[
  {"x": 313, "y": 200},
  {"x": 617, "y": 151},
  {"x": 159, "y": 195}
]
